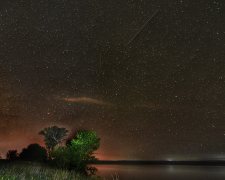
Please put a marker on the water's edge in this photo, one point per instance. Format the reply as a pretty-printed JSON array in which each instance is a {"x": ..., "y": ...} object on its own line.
[{"x": 191, "y": 163}]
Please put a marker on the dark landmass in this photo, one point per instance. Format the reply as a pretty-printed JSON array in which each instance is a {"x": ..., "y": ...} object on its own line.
[
  {"x": 191, "y": 163},
  {"x": 188, "y": 163}
]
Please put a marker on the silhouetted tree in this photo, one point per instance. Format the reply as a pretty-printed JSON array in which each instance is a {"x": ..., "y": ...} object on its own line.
[
  {"x": 12, "y": 155},
  {"x": 34, "y": 152},
  {"x": 0, "y": 156},
  {"x": 53, "y": 136}
]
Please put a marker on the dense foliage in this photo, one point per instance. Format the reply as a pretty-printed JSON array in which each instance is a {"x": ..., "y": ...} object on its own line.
[
  {"x": 12, "y": 155},
  {"x": 77, "y": 155},
  {"x": 34, "y": 152}
]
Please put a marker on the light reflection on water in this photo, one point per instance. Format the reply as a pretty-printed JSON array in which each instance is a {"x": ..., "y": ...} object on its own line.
[{"x": 161, "y": 172}]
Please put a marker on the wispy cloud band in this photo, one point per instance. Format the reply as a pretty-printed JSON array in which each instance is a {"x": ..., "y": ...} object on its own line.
[{"x": 85, "y": 100}]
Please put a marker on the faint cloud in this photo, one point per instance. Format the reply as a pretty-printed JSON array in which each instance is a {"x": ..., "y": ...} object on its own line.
[{"x": 85, "y": 100}]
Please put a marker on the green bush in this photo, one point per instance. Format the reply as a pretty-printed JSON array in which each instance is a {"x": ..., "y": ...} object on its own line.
[{"x": 77, "y": 155}]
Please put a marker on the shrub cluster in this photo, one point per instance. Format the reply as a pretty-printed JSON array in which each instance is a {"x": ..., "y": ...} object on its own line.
[
  {"x": 73, "y": 156},
  {"x": 77, "y": 155}
]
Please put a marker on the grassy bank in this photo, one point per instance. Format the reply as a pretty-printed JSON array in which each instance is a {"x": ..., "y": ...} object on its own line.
[{"x": 21, "y": 170}]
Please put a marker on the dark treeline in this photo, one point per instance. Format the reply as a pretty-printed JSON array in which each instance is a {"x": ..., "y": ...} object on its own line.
[{"x": 74, "y": 155}]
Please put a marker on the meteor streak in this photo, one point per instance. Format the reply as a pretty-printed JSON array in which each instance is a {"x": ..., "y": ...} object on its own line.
[{"x": 142, "y": 27}]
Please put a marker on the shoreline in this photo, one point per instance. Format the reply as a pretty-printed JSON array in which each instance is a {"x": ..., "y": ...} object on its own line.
[
  {"x": 125, "y": 162},
  {"x": 190, "y": 163}
]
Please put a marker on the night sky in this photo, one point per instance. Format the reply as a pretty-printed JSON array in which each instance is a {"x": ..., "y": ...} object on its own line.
[{"x": 147, "y": 75}]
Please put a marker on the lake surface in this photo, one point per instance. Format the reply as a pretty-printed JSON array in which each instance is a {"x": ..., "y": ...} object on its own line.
[{"x": 161, "y": 172}]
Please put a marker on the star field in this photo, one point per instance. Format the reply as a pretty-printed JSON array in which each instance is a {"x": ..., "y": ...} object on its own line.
[{"x": 74, "y": 64}]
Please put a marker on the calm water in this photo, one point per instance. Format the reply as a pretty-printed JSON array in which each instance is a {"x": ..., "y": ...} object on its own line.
[{"x": 161, "y": 172}]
